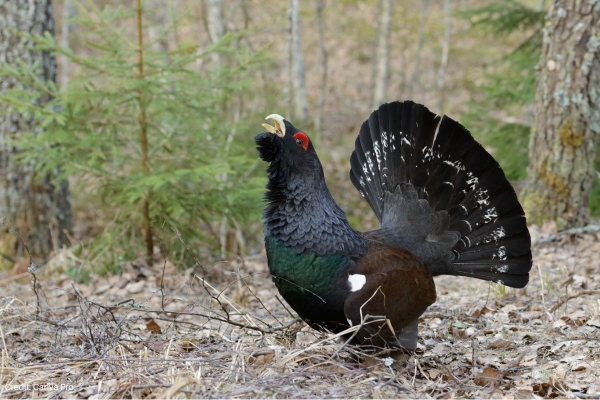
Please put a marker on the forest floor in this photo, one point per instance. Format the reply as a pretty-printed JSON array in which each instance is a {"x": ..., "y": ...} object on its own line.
[{"x": 222, "y": 332}]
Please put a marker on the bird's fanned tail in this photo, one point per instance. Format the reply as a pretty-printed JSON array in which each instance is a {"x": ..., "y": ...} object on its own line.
[{"x": 439, "y": 194}]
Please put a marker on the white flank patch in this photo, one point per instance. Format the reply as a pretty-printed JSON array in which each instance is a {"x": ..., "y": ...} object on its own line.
[{"x": 356, "y": 281}]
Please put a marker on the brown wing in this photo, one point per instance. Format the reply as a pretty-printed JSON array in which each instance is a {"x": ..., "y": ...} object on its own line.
[{"x": 397, "y": 288}]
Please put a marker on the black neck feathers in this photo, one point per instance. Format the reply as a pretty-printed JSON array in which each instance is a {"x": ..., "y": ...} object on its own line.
[{"x": 300, "y": 210}]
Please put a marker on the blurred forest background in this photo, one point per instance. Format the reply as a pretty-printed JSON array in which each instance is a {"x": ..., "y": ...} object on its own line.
[{"x": 128, "y": 126}]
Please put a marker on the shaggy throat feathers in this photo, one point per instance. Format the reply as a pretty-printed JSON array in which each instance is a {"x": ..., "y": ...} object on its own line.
[{"x": 300, "y": 210}]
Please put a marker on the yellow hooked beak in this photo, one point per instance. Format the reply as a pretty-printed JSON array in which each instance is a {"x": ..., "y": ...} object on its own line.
[{"x": 279, "y": 128}]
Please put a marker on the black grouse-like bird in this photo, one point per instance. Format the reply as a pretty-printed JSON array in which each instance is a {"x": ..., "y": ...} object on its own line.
[{"x": 444, "y": 205}]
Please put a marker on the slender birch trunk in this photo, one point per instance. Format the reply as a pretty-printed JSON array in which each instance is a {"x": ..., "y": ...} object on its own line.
[
  {"x": 68, "y": 12},
  {"x": 157, "y": 31},
  {"x": 382, "y": 58},
  {"x": 289, "y": 90},
  {"x": 216, "y": 27},
  {"x": 445, "y": 53},
  {"x": 414, "y": 78},
  {"x": 322, "y": 65},
  {"x": 298, "y": 78}
]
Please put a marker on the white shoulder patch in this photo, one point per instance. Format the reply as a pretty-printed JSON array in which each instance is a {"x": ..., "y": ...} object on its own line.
[{"x": 356, "y": 281}]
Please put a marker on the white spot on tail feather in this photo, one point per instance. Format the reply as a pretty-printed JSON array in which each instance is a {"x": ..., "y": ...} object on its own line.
[
  {"x": 349, "y": 322},
  {"x": 384, "y": 144},
  {"x": 490, "y": 214},
  {"x": 472, "y": 181},
  {"x": 501, "y": 255},
  {"x": 457, "y": 164},
  {"x": 427, "y": 153},
  {"x": 495, "y": 235},
  {"x": 357, "y": 281},
  {"x": 470, "y": 229},
  {"x": 467, "y": 245},
  {"x": 370, "y": 162},
  {"x": 502, "y": 269},
  {"x": 482, "y": 197},
  {"x": 366, "y": 171},
  {"x": 377, "y": 153}
]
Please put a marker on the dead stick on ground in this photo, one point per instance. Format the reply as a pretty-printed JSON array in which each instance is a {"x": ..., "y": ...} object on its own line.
[
  {"x": 573, "y": 296},
  {"x": 32, "y": 268},
  {"x": 574, "y": 231}
]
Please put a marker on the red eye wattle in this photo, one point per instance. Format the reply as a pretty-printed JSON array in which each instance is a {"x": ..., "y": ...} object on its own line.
[{"x": 301, "y": 140}]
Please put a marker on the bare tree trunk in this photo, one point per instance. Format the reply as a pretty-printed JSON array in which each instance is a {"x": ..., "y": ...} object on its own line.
[
  {"x": 322, "y": 64},
  {"x": 158, "y": 30},
  {"x": 142, "y": 120},
  {"x": 445, "y": 53},
  {"x": 68, "y": 12},
  {"x": 173, "y": 18},
  {"x": 382, "y": 59},
  {"x": 299, "y": 95},
  {"x": 415, "y": 74},
  {"x": 567, "y": 116},
  {"x": 289, "y": 92},
  {"x": 37, "y": 209},
  {"x": 216, "y": 30},
  {"x": 216, "y": 27}
]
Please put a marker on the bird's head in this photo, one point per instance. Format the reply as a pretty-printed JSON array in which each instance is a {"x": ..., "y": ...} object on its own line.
[{"x": 288, "y": 147}]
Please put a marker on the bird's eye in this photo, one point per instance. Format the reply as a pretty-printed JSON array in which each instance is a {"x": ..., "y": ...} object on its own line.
[{"x": 301, "y": 140}]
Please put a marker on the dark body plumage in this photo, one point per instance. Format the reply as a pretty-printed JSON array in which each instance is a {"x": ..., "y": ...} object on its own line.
[{"x": 444, "y": 205}]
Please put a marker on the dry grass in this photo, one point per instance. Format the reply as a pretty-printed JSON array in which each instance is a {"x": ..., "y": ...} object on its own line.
[{"x": 224, "y": 333}]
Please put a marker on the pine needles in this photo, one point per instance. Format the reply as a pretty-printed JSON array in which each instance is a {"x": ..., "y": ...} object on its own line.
[{"x": 148, "y": 138}]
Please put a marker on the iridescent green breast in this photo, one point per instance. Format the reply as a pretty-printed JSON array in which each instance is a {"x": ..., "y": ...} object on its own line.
[{"x": 306, "y": 281}]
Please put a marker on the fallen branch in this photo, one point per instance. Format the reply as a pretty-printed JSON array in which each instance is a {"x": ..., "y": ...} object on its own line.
[
  {"x": 215, "y": 317},
  {"x": 573, "y": 231},
  {"x": 573, "y": 296}
]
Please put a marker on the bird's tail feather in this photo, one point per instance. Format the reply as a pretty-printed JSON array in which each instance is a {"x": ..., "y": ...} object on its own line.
[{"x": 439, "y": 194}]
